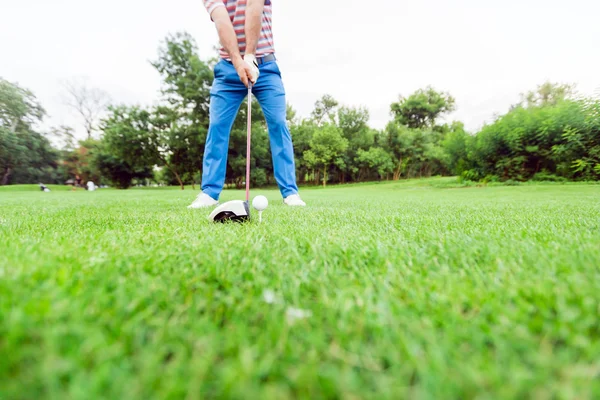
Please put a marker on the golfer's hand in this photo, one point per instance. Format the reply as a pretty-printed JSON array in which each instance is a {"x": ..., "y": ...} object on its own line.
[
  {"x": 244, "y": 71},
  {"x": 250, "y": 59}
]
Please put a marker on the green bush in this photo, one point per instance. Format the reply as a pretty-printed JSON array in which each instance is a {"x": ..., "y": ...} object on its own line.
[
  {"x": 258, "y": 177},
  {"x": 490, "y": 178},
  {"x": 512, "y": 182},
  {"x": 545, "y": 176},
  {"x": 559, "y": 138},
  {"x": 470, "y": 175}
]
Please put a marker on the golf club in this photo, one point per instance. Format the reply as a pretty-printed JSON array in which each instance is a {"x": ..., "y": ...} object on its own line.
[
  {"x": 238, "y": 210},
  {"x": 248, "y": 141}
]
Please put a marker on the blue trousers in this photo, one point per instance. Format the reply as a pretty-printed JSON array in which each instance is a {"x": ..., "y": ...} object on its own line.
[{"x": 226, "y": 97}]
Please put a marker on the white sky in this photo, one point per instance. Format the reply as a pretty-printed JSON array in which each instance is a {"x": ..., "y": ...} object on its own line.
[{"x": 484, "y": 52}]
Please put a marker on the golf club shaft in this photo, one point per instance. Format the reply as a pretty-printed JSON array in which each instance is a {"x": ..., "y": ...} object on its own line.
[{"x": 248, "y": 141}]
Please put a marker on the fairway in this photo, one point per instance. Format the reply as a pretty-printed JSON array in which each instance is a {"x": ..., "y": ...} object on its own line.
[{"x": 380, "y": 291}]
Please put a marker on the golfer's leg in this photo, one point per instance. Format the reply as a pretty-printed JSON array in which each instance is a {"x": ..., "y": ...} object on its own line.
[
  {"x": 270, "y": 93},
  {"x": 226, "y": 98}
]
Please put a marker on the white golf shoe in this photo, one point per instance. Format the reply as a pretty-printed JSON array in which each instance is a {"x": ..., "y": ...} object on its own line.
[
  {"x": 203, "y": 201},
  {"x": 294, "y": 200}
]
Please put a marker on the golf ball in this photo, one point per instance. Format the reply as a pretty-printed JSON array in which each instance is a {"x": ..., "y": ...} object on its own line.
[{"x": 260, "y": 203}]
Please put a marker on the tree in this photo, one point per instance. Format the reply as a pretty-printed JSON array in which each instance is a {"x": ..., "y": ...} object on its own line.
[
  {"x": 399, "y": 142},
  {"x": 18, "y": 106},
  {"x": 186, "y": 78},
  {"x": 26, "y": 156},
  {"x": 547, "y": 94},
  {"x": 353, "y": 122},
  {"x": 37, "y": 160},
  {"x": 422, "y": 108},
  {"x": 79, "y": 160},
  {"x": 171, "y": 134},
  {"x": 378, "y": 160},
  {"x": 326, "y": 146},
  {"x": 578, "y": 153},
  {"x": 185, "y": 100},
  {"x": 89, "y": 103},
  {"x": 167, "y": 142},
  {"x": 456, "y": 144},
  {"x": 142, "y": 138},
  {"x": 117, "y": 171},
  {"x": 10, "y": 148},
  {"x": 302, "y": 133},
  {"x": 65, "y": 136},
  {"x": 325, "y": 107},
  {"x": 290, "y": 114}
]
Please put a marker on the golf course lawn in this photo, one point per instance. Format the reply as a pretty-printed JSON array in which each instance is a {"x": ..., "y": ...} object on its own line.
[{"x": 379, "y": 291}]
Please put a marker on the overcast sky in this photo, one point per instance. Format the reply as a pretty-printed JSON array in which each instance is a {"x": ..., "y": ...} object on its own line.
[{"x": 484, "y": 52}]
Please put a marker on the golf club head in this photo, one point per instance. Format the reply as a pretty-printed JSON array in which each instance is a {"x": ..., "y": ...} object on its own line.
[{"x": 235, "y": 210}]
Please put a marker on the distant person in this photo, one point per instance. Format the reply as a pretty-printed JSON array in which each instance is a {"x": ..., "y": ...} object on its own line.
[
  {"x": 244, "y": 29},
  {"x": 77, "y": 182}
]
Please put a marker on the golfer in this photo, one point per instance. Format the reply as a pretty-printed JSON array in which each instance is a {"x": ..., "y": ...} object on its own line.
[{"x": 247, "y": 56}]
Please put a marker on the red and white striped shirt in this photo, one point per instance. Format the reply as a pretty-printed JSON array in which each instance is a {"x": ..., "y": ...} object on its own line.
[{"x": 237, "y": 14}]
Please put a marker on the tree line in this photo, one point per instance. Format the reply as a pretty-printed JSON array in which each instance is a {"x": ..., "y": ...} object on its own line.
[{"x": 551, "y": 134}]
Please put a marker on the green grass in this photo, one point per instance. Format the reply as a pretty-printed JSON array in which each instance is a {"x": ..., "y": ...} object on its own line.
[{"x": 404, "y": 290}]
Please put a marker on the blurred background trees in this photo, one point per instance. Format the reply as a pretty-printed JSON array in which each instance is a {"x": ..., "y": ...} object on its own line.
[{"x": 551, "y": 134}]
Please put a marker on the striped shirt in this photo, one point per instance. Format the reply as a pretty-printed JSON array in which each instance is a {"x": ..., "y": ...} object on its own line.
[{"x": 237, "y": 14}]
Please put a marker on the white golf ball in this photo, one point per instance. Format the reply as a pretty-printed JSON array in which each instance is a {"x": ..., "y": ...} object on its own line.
[{"x": 260, "y": 203}]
